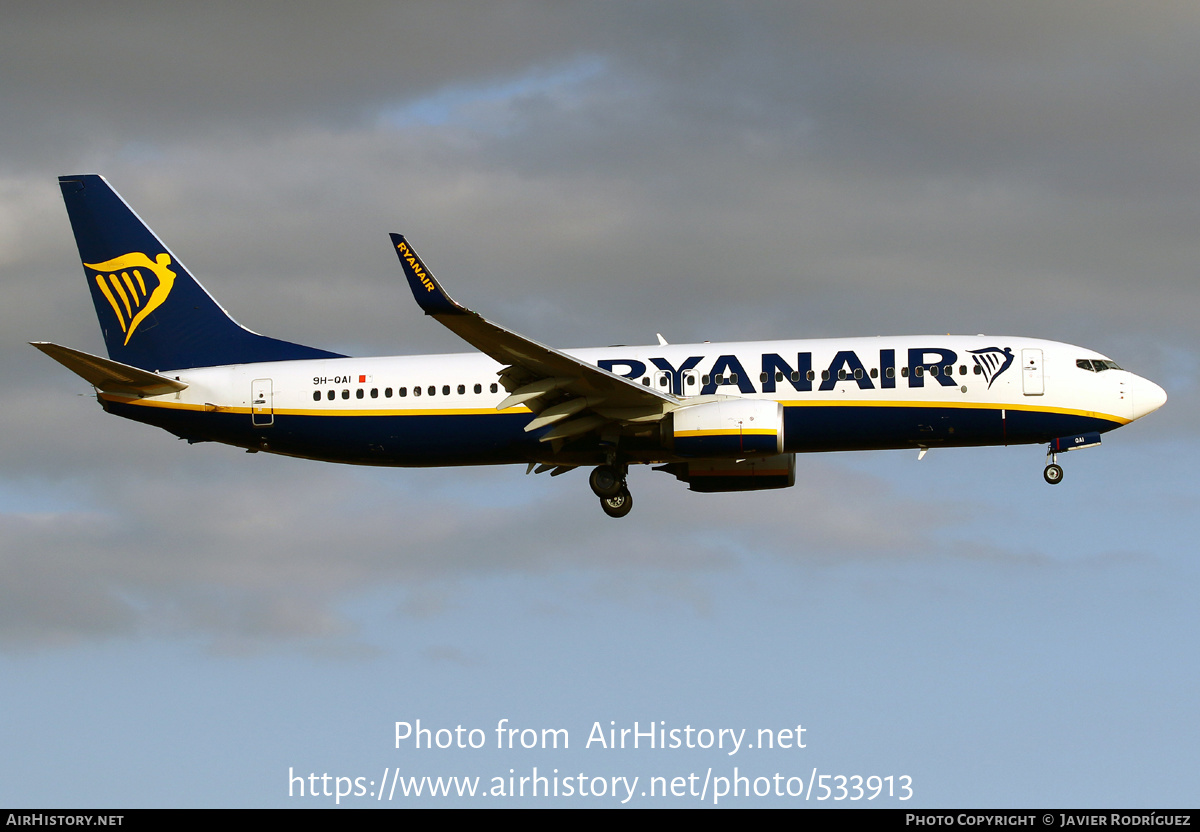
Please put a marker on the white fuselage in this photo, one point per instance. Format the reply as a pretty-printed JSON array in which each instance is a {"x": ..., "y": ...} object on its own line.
[{"x": 873, "y": 392}]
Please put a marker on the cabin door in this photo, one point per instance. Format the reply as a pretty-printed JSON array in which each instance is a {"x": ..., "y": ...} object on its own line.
[
  {"x": 1032, "y": 381},
  {"x": 262, "y": 412}
]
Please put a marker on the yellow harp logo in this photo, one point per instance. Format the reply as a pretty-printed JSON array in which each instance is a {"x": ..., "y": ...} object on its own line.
[{"x": 123, "y": 284}]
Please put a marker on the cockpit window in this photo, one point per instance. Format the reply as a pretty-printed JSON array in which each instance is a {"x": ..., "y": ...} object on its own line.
[{"x": 1096, "y": 365}]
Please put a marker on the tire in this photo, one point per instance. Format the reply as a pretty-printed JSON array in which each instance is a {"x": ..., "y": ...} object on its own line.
[
  {"x": 605, "y": 481},
  {"x": 1053, "y": 474},
  {"x": 619, "y": 504}
]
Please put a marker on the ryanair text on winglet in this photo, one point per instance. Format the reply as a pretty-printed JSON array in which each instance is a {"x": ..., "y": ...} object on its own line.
[{"x": 415, "y": 265}]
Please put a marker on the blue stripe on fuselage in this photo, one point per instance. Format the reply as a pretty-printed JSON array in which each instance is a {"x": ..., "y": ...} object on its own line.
[
  {"x": 499, "y": 438},
  {"x": 851, "y": 428}
]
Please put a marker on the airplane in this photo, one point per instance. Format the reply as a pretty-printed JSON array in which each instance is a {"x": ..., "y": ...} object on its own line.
[{"x": 719, "y": 417}]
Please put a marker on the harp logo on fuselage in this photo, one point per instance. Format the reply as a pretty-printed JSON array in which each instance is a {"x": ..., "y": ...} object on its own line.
[
  {"x": 992, "y": 361},
  {"x": 134, "y": 286}
]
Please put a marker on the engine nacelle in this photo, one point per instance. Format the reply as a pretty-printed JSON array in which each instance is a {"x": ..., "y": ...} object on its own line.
[
  {"x": 712, "y": 475},
  {"x": 729, "y": 427}
]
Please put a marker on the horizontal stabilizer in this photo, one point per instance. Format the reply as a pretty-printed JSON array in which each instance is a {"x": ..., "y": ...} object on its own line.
[{"x": 110, "y": 376}]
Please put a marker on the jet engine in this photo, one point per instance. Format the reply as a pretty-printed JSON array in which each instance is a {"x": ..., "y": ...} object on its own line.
[{"x": 727, "y": 428}]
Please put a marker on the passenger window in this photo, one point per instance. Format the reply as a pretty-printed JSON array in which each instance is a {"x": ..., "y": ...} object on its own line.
[
  {"x": 874, "y": 372},
  {"x": 493, "y": 387},
  {"x": 919, "y": 371},
  {"x": 890, "y": 372},
  {"x": 810, "y": 375},
  {"x": 662, "y": 382},
  {"x": 374, "y": 392},
  {"x": 431, "y": 390},
  {"x": 779, "y": 376},
  {"x": 646, "y": 381},
  {"x": 402, "y": 392},
  {"x": 763, "y": 377},
  {"x": 316, "y": 395},
  {"x": 704, "y": 379},
  {"x": 445, "y": 389},
  {"x": 733, "y": 378},
  {"x": 824, "y": 375},
  {"x": 345, "y": 394},
  {"x": 416, "y": 391},
  {"x": 948, "y": 370},
  {"x": 329, "y": 395},
  {"x": 858, "y": 373},
  {"x": 358, "y": 394},
  {"x": 933, "y": 371},
  {"x": 841, "y": 375},
  {"x": 978, "y": 370},
  {"x": 387, "y": 392},
  {"x": 962, "y": 369},
  {"x": 478, "y": 388},
  {"x": 903, "y": 372},
  {"x": 795, "y": 375}
]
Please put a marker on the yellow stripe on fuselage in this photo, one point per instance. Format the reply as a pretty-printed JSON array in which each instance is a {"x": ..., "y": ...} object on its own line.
[
  {"x": 280, "y": 411},
  {"x": 484, "y": 411}
]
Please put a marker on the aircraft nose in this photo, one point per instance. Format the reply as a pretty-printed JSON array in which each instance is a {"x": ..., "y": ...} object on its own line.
[{"x": 1147, "y": 397}]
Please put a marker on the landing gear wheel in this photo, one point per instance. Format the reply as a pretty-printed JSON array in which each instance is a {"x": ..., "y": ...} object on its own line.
[
  {"x": 619, "y": 504},
  {"x": 1053, "y": 474},
  {"x": 606, "y": 481}
]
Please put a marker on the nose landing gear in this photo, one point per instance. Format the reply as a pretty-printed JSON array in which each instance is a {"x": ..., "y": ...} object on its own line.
[{"x": 1054, "y": 472}]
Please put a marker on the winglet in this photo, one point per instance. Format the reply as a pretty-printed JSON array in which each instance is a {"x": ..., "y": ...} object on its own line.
[{"x": 430, "y": 296}]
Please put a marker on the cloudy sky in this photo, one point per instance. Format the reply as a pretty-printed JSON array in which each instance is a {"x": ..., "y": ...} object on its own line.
[{"x": 175, "y": 630}]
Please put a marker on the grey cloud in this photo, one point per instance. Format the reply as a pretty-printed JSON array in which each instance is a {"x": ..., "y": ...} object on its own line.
[
  {"x": 826, "y": 147},
  {"x": 246, "y": 552},
  {"x": 604, "y": 172}
]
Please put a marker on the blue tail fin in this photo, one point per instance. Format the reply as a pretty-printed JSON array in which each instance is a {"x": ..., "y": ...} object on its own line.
[{"x": 153, "y": 313}]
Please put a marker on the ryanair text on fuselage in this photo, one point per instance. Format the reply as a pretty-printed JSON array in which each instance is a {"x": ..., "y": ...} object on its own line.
[{"x": 937, "y": 363}]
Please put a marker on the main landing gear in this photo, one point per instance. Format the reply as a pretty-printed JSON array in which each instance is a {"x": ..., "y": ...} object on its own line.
[{"x": 608, "y": 483}]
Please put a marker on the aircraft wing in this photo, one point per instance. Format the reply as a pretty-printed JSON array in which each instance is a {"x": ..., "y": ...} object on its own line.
[{"x": 547, "y": 381}]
